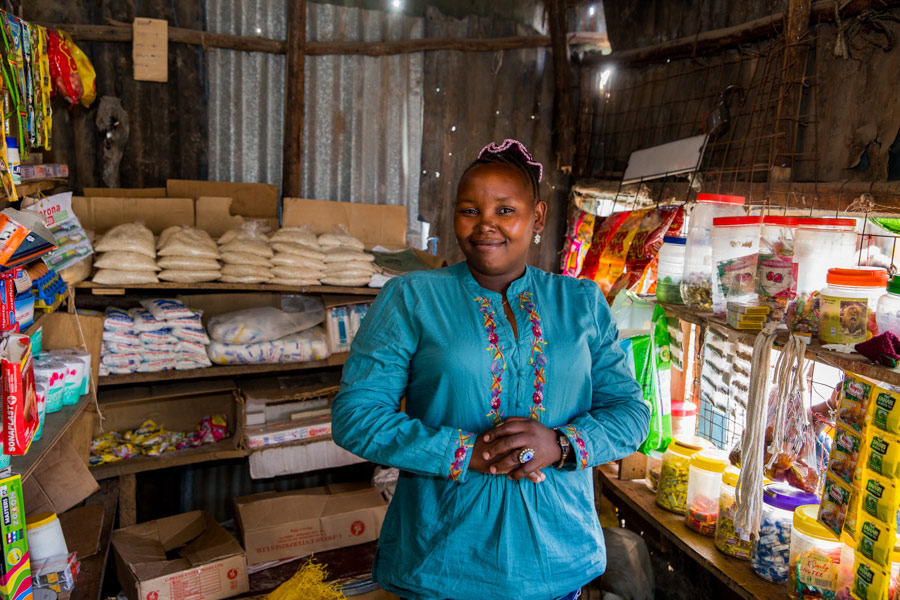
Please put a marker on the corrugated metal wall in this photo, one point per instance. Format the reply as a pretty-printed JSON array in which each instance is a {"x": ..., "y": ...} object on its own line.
[{"x": 363, "y": 123}]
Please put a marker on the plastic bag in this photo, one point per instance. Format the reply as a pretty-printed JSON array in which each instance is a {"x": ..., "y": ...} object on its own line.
[
  {"x": 299, "y": 250},
  {"x": 262, "y": 324},
  {"x": 261, "y": 273},
  {"x": 189, "y": 241},
  {"x": 662, "y": 221},
  {"x": 249, "y": 230},
  {"x": 126, "y": 261},
  {"x": 339, "y": 254},
  {"x": 612, "y": 261},
  {"x": 189, "y": 276},
  {"x": 245, "y": 258},
  {"x": 86, "y": 72},
  {"x": 353, "y": 281},
  {"x": 353, "y": 265},
  {"x": 299, "y": 347},
  {"x": 578, "y": 240},
  {"x": 341, "y": 238},
  {"x": 63, "y": 69},
  {"x": 296, "y": 273},
  {"x": 249, "y": 246},
  {"x": 187, "y": 263},
  {"x": 131, "y": 237},
  {"x": 294, "y": 282},
  {"x": 116, "y": 277},
  {"x": 297, "y": 235},
  {"x": 283, "y": 259},
  {"x": 169, "y": 309},
  {"x": 603, "y": 231}
]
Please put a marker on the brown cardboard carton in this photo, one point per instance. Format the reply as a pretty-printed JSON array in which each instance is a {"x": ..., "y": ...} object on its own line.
[
  {"x": 277, "y": 525},
  {"x": 125, "y": 192},
  {"x": 60, "y": 481},
  {"x": 210, "y": 564},
  {"x": 216, "y": 215},
  {"x": 253, "y": 200},
  {"x": 374, "y": 224},
  {"x": 102, "y": 214}
]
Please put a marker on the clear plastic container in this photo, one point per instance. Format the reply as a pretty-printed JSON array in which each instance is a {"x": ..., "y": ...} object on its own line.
[
  {"x": 815, "y": 556},
  {"x": 775, "y": 271},
  {"x": 735, "y": 253},
  {"x": 684, "y": 420},
  {"x": 670, "y": 270},
  {"x": 847, "y": 304},
  {"x": 819, "y": 245},
  {"x": 728, "y": 539},
  {"x": 671, "y": 493},
  {"x": 704, "y": 483},
  {"x": 772, "y": 550},
  {"x": 887, "y": 313},
  {"x": 696, "y": 285}
]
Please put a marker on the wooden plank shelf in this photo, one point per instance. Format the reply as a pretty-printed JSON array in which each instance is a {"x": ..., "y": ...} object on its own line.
[
  {"x": 736, "y": 574},
  {"x": 222, "y": 450},
  {"x": 853, "y": 362},
  {"x": 34, "y": 186},
  {"x": 335, "y": 360},
  {"x": 55, "y": 426},
  {"x": 165, "y": 286}
]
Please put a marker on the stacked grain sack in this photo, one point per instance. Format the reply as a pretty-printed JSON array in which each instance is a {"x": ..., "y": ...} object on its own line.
[
  {"x": 126, "y": 255},
  {"x": 298, "y": 259},
  {"x": 187, "y": 255},
  {"x": 345, "y": 262},
  {"x": 246, "y": 253}
]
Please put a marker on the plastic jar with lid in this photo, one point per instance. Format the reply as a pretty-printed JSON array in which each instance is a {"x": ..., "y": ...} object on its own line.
[
  {"x": 728, "y": 539},
  {"x": 735, "y": 254},
  {"x": 775, "y": 271},
  {"x": 887, "y": 313},
  {"x": 704, "y": 481},
  {"x": 684, "y": 420},
  {"x": 671, "y": 493},
  {"x": 696, "y": 286},
  {"x": 847, "y": 304},
  {"x": 819, "y": 245},
  {"x": 815, "y": 556},
  {"x": 771, "y": 551},
  {"x": 670, "y": 270}
]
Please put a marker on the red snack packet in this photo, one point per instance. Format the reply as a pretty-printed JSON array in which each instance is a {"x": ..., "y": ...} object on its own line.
[
  {"x": 612, "y": 261},
  {"x": 63, "y": 69},
  {"x": 578, "y": 240},
  {"x": 603, "y": 231},
  {"x": 662, "y": 221},
  {"x": 20, "y": 413}
]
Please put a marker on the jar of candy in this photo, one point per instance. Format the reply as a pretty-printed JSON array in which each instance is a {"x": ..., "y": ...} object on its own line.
[
  {"x": 819, "y": 245},
  {"x": 735, "y": 255},
  {"x": 728, "y": 539},
  {"x": 815, "y": 557},
  {"x": 670, "y": 270},
  {"x": 887, "y": 313},
  {"x": 704, "y": 484},
  {"x": 696, "y": 285},
  {"x": 772, "y": 550},
  {"x": 775, "y": 271},
  {"x": 847, "y": 304},
  {"x": 684, "y": 420},
  {"x": 671, "y": 493}
]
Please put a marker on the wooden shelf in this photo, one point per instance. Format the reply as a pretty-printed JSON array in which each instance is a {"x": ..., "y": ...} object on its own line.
[
  {"x": 854, "y": 362},
  {"x": 335, "y": 360},
  {"x": 119, "y": 290},
  {"x": 55, "y": 426},
  {"x": 33, "y": 186},
  {"x": 734, "y": 573},
  {"x": 221, "y": 450}
]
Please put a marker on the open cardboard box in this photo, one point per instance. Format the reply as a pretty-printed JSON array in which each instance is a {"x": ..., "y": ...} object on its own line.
[
  {"x": 253, "y": 200},
  {"x": 185, "y": 556},
  {"x": 100, "y": 214},
  {"x": 278, "y": 525},
  {"x": 374, "y": 224}
]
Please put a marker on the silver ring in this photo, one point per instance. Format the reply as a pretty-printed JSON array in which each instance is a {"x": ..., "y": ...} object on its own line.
[{"x": 525, "y": 455}]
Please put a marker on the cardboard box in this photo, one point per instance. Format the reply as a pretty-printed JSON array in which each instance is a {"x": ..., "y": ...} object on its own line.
[
  {"x": 15, "y": 581},
  {"x": 287, "y": 432},
  {"x": 339, "y": 327},
  {"x": 288, "y": 460},
  {"x": 374, "y": 224},
  {"x": 216, "y": 215},
  {"x": 252, "y": 200},
  {"x": 278, "y": 525},
  {"x": 125, "y": 192},
  {"x": 210, "y": 564},
  {"x": 277, "y": 398},
  {"x": 60, "y": 481},
  {"x": 100, "y": 214}
]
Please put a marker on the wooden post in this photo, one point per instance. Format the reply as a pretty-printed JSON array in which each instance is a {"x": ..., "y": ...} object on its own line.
[
  {"x": 127, "y": 500},
  {"x": 291, "y": 172},
  {"x": 791, "y": 89},
  {"x": 565, "y": 144}
]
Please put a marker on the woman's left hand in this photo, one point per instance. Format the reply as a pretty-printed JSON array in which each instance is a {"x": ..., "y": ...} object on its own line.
[{"x": 504, "y": 443}]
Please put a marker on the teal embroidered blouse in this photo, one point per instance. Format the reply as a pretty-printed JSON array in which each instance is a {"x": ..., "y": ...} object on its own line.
[{"x": 442, "y": 341}]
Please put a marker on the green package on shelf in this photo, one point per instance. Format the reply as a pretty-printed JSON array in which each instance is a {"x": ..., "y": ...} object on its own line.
[
  {"x": 55, "y": 398},
  {"x": 72, "y": 393}
]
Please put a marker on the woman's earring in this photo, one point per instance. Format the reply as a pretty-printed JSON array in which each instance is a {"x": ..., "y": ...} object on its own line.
[{"x": 537, "y": 238}]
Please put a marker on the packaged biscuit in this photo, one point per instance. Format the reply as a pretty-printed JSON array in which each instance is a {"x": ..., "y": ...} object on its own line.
[
  {"x": 876, "y": 539},
  {"x": 844, "y": 455},
  {"x": 854, "y": 402},
  {"x": 879, "y": 497},
  {"x": 886, "y": 411},
  {"x": 884, "y": 453},
  {"x": 834, "y": 505},
  {"x": 870, "y": 581}
]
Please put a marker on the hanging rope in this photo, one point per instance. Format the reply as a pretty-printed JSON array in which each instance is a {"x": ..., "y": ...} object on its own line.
[{"x": 749, "y": 501}]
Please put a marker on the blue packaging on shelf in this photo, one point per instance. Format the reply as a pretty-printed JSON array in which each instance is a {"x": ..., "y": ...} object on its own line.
[
  {"x": 24, "y": 310},
  {"x": 48, "y": 288}
]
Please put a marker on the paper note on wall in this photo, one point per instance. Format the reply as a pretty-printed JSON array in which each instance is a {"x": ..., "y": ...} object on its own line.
[{"x": 150, "y": 50}]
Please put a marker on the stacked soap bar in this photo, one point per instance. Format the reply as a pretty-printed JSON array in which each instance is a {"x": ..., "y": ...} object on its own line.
[{"x": 747, "y": 316}]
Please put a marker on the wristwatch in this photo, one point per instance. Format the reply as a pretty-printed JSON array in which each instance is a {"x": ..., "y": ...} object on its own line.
[{"x": 564, "y": 446}]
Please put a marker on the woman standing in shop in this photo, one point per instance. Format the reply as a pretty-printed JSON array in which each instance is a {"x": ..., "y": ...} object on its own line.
[{"x": 515, "y": 387}]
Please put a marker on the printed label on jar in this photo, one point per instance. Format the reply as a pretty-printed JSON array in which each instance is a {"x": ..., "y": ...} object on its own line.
[
  {"x": 816, "y": 569},
  {"x": 736, "y": 276},
  {"x": 843, "y": 320},
  {"x": 774, "y": 276}
]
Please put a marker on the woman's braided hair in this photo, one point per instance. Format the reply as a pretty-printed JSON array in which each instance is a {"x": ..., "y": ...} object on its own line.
[{"x": 512, "y": 154}]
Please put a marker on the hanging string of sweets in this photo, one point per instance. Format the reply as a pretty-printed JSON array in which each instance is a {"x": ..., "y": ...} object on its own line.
[{"x": 36, "y": 63}]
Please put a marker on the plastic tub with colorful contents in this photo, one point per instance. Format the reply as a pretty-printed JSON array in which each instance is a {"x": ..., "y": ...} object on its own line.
[
  {"x": 815, "y": 557},
  {"x": 847, "y": 304},
  {"x": 671, "y": 492},
  {"x": 735, "y": 255},
  {"x": 704, "y": 483}
]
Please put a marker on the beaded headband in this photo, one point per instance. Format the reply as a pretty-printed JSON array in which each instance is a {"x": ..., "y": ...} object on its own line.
[{"x": 518, "y": 148}]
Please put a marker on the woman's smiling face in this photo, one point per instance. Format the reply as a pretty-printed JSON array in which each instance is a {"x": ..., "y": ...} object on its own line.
[{"x": 495, "y": 219}]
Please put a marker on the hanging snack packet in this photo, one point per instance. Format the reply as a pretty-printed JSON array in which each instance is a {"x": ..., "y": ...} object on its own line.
[
  {"x": 844, "y": 454},
  {"x": 876, "y": 539},
  {"x": 603, "y": 231},
  {"x": 884, "y": 454},
  {"x": 879, "y": 497},
  {"x": 834, "y": 505},
  {"x": 84, "y": 68},
  {"x": 854, "y": 402},
  {"x": 578, "y": 240},
  {"x": 63, "y": 69},
  {"x": 870, "y": 581},
  {"x": 851, "y": 520},
  {"x": 662, "y": 221},
  {"x": 886, "y": 411},
  {"x": 612, "y": 261}
]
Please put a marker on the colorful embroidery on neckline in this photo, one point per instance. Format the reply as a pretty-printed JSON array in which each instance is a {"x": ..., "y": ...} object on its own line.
[
  {"x": 538, "y": 358},
  {"x": 462, "y": 449},
  {"x": 580, "y": 450},
  {"x": 498, "y": 363}
]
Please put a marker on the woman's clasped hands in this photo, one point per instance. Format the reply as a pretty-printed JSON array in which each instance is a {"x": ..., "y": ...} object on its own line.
[{"x": 498, "y": 451}]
